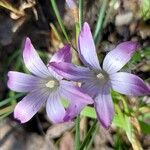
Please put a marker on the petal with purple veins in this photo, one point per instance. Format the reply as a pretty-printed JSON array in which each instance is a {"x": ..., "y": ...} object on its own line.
[
  {"x": 74, "y": 93},
  {"x": 30, "y": 105},
  {"x": 55, "y": 109},
  {"x": 33, "y": 62},
  {"x": 21, "y": 82},
  {"x": 129, "y": 84},
  {"x": 63, "y": 55},
  {"x": 87, "y": 50},
  {"x": 118, "y": 57},
  {"x": 73, "y": 110},
  {"x": 70, "y": 71},
  {"x": 104, "y": 107}
]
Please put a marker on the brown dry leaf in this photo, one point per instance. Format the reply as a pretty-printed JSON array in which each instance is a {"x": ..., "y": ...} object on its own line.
[
  {"x": 67, "y": 142},
  {"x": 83, "y": 127},
  {"x": 136, "y": 124},
  {"x": 57, "y": 130}
]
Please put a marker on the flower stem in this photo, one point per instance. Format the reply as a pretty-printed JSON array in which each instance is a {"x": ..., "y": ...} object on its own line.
[
  {"x": 77, "y": 136},
  {"x": 88, "y": 136},
  {"x": 99, "y": 25},
  {"x": 81, "y": 13},
  {"x": 60, "y": 21},
  {"x": 92, "y": 138}
]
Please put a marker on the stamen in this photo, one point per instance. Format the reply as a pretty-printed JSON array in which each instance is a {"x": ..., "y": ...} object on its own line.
[{"x": 100, "y": 76}]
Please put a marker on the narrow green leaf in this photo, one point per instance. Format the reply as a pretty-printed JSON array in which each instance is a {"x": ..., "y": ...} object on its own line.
[
  {"x": 8, "y": 100},
  {"x": 145, "y": 127},
  {"x": 77, "y": 135},
  {"x": 5, "y": 115},
  {"x": 99, "y": 25},
  {"x": 60, "y": 21},
  {"x": 81, "y": 13},
  {"x": 89, "y": 134}
]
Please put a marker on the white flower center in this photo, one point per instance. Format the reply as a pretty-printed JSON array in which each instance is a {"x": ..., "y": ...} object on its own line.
[
  {"x": 103, "y": 77},
  {"x": 100, "y": 76},
  {"x": 51, "y": 84}
]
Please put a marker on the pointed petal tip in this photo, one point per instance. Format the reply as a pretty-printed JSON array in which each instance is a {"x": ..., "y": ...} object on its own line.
[
  {"x": 129, "y": 84},
  {"x": 106, "y": 124},
  {"x": 86, "y": 25},
  {"x": 87, "y": 49},
  {"x": 28, "y": 42},
  {"x": 129, "y": 46},
  {"x": 62, "y": 55},
  {"x": 28, "y": 39},
  {"x": 119, "y": 56}
]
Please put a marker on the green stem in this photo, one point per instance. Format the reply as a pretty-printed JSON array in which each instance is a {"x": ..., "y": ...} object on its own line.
[
  {"x": 77, "y": 136},
  {"x": 92, "y": 139},
  {"x": 99, "y": 25},
  {"x": 81, "y": 13},
  {"x": 92, "y": 129},
  {"x": 6, "y": 101},
  {"x": 60, "y": 21}
]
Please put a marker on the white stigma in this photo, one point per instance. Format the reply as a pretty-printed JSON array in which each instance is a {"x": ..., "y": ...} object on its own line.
[{"x": 51, "y": 84}]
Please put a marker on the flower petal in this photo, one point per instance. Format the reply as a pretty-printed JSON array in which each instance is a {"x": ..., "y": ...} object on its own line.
[
  {"x": 71, "y": 4},
  {"x": 33, "y": 62},
  {"x": 129, "y": 84},
  {"x": 73, "y": 110},
  {"x": 87, "y": 50},
  {"x": 55, "y": 109},
  {"x": 104, "y": 107},
  {"x": 74, "y": 93},
  {"x": 92, "y": 86},
  {"x": 21, "y": 82},
  {"x": 63, "y": 55},
  {"x": 118, "y": 57},
  {"x": 30, "y": 105},
  {"x": 70, "y": 71}
]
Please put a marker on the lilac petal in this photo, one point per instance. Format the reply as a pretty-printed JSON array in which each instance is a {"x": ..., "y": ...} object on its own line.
[
  {"x": 87, "y": 50},
  {"x": 71, "y": 4},
  {"x": 33, "y": 62},
  {"x": 73, "y": 110},
  {"x": 30, "y": 105},
  {"x": 55, "y": 109},
  {"x": 104, "y": 107},
  {"x": 90, "y": 88},
  {"x": 129, "y": 84},
  {"x": 74, "y": 93},
  {"x": 21, "y": 82},
  {"x": 70, "y": 71},
  {"x": 63, "y": 55},
  {"x": 118, "y": 57}
]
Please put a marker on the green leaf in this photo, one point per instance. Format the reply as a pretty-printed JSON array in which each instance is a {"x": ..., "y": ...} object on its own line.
[
  {"x": 119, "y": 119},
  {"x": 145, "y": 9},
  {"x": 8, "y": 100},
  {"x": 128, "y": 128},
  {"x": 145, "y": 127},
  {"x": 89, "y": 112},
  {"x": 99, "y": 25},
  {"x": 60, "y": 21}
]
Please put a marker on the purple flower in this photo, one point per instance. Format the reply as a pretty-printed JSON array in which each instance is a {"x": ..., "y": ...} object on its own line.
[
  {"x": 98, "y": 81},
  {"x": 44, "y": 86}
]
